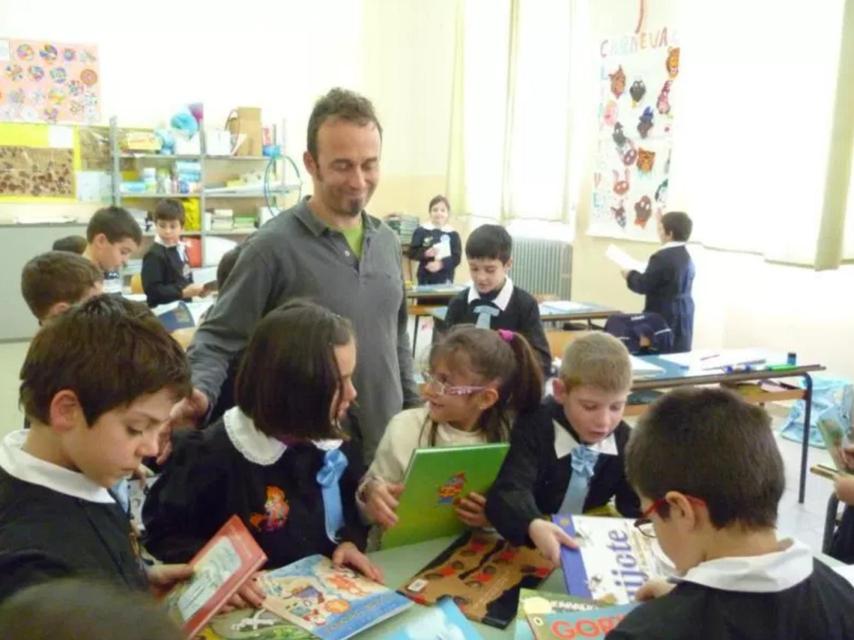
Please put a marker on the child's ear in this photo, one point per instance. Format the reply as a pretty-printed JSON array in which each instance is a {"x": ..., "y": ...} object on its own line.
[
  {"x": 559, "y": 390},
  {"x": 508, "y": 264},
  {"x": 685, "y": 511},
  {"x": 487, "y": 398},
  {"x": 100, "y": 239},
  {"x": 57, "y": 309},
  {"x": 64, "y": 410}
]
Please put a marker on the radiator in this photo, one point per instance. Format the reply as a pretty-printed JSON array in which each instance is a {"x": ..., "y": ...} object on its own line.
[{"x": 542, "y": 267}]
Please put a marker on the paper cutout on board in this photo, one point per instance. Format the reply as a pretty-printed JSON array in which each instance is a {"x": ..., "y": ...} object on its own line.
[
  {"x": 638, "y": 99},
  {"x": 49, "y": 82}
]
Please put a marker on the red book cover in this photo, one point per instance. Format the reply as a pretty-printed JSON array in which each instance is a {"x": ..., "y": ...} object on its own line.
[{"x": 220, "y": 568}]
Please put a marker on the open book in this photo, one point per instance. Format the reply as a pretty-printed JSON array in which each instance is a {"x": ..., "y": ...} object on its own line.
[
  {"x": 613, "y": 560},
  {"x": 836, "y": 432},
  {"x": 220, "y": 569},
  {"x": 578, "y": 624}
]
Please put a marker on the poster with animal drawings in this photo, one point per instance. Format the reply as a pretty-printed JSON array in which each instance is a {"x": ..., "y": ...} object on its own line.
[
  {"x": 638, "y": 100},
  {"x": 44, "y": 81}
]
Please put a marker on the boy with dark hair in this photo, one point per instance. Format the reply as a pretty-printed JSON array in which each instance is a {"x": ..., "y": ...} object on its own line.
[
  {"x": 53, "y": 281},
  {"x": 166, "y": 275},
  {"x": 112, "y": 236},
  {"x": 97, "y": 386},
  {"x": 668, "y": 279},
  {"x": 492, "y": 301},
  {"x": 710, "y": 477},
  {"x": 568, "y": 456},
  {"x": 72, "y": 244}
]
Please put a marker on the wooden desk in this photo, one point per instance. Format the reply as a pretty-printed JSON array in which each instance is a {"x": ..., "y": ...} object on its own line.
[
  {"x": 423, "y": 299},
  {"x": 673, "y": 376},
  {"x": 559, "y": 311}
]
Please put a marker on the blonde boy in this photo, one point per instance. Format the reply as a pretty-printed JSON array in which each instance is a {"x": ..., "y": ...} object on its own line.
[{"x": 567, "y": 457}]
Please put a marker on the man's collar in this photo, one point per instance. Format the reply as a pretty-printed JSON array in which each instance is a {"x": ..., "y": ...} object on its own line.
[
  {"x": 768, "y": 573},
  {"x": 318, "y": 227},
  {"x": 258, "y": 447},
  {"x": 27, "y": 468},
  {"x": 501, "y": 300}
]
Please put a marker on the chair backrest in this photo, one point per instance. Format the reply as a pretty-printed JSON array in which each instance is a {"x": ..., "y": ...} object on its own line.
[
  {"x": 642, "y": 333},
  {"x": 136, "y": 283}
]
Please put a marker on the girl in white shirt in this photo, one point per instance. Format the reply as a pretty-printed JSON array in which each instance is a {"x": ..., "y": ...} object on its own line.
[{"x": 477, "y": 381}]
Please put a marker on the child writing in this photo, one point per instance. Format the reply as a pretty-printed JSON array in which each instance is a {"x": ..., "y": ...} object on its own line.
[
  {"x": 668, "y": 278},
  {"x": 709, "y": 474},
  {"x": 279, "y": 459},
  {"x": 97, "y": 386},
  {"x": 478, "y": 380},
  {"x": 492, "y": 301},
  {"x": 567, "y": 457},
  {"x": 111, "y": 236},
  {"x": 436, "y": 245},
  {"x": 166, "y": 275}
]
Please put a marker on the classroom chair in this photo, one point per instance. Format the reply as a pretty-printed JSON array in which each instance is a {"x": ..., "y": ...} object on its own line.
[
  {"x": 642, "y": 333},
  {"x": 136, "y": 283}
]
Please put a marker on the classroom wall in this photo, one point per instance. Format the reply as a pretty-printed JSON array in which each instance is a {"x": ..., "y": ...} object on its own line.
[
  {"x": 742, "y": 299},
  {"x": 160, "y": 55}
]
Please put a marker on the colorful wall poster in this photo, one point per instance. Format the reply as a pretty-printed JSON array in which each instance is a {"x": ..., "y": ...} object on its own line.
[
  {"x": 638, "y": 100},
  {"x": 44, "y": 81}
]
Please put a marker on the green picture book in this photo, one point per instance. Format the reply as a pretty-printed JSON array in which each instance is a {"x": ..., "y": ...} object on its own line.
[
  {"x": 435, "y": 481},
  {"x": 835, "y": 431}
]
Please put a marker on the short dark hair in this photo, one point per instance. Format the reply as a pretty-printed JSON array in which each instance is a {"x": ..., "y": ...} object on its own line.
[
  {"x": 72, "y": 244},
  {"x": 54, "y": 277},
  {"x": 508, "y": 360},
  {"x": 170, "y": 209},
  {"x": 71, "y": 608},
  {"x": 436, "y": 200},
  {"x": 115, "y": 223},
  {"x": 109, "y": 351},
  {"x": 710, "y": 444},
  {"x": 288, "y": 375},
  {"x": 678, "y": 224},
  {"x": 344, "y": 105},
  {"x": 226, "y": 264},
  {"x": 490, "y": 242}
]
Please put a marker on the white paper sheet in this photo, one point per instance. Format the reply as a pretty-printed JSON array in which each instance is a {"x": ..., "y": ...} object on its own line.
[{"x": 623, "y": 259}]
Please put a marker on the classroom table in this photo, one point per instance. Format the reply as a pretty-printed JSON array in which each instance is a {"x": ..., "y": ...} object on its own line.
[
  {"x": 402, "y": 563},
  {"x": 558, "y": 311},
  {"x": 672, "y": 375}
]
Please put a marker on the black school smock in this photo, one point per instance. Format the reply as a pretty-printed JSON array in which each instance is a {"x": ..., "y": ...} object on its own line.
[
  {"x": 55, "y": 522},
  {"x": 785, "y": 595},
  {"x": 516, "y": 310},
  {"x": 232, "y": 468},
  {"x": 426, "y": 237},
  {"x": 667, "y": 283},
  {"x": 535, "y": 475},
  {"x": 165, "y": 273}
]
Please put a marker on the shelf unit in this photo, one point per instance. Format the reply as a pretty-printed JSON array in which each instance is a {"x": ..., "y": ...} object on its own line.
[{"x": 242, "y": 201}]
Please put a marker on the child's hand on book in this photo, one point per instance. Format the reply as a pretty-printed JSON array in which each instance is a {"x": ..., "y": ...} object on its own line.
[
  {"x": 381, "y": 502},
  {"x": 548, "y": 538},
  {"x": 848, "y": 457},
  {"x": 162, "y": 577},
  {"x": 472, "y": 510},
  {"x": 845, "y": 488},
  {"x": 654, "y": 588},
  {"x": 249, "y": 596},
  {"x": 348, "y": 554}
]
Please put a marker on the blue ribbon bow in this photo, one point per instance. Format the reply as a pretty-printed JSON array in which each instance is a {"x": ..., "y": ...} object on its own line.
[
  {"x": 582, "y": 461},
  {"x": 329, "y": 476},
  {"x": 485, "y": 313}
]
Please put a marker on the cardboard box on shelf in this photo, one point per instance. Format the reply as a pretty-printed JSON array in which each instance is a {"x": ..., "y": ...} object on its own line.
[{"x": 246, "y": 121}]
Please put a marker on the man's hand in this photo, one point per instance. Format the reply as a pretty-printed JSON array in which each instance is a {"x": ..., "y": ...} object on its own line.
[
  {"x": 188, "y": 411},
  {"x": 548, "y": 538},
  {"x": 381, "y": 501}
]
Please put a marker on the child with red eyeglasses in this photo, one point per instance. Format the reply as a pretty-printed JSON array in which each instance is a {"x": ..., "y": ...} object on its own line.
[
  {"x": 567, "y": 457},
  {"x": 709, "y": 474},
  {"x": 478, "y": 380}
]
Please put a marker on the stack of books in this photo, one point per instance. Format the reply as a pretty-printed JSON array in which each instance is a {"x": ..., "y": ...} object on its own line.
[
  {"x": 222, "y": 220},
  {"x": 244, "y": 222}
]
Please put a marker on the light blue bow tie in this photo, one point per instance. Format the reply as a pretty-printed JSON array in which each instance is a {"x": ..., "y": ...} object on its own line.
[
  {"x": 485, "y": 313},
  {"x": 583, "y": 462},
  {"x": 329, "y": 476}
]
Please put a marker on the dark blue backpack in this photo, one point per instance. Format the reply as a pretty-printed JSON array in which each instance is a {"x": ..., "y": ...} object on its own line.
[{"x": 642, "y": 333}]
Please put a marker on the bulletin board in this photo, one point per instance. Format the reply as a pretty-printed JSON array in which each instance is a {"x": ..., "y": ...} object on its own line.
[
  {"x": 638, "y": 98},
  {"x": 44, "y": 81},
  {"x": 38, "y": 162}
]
